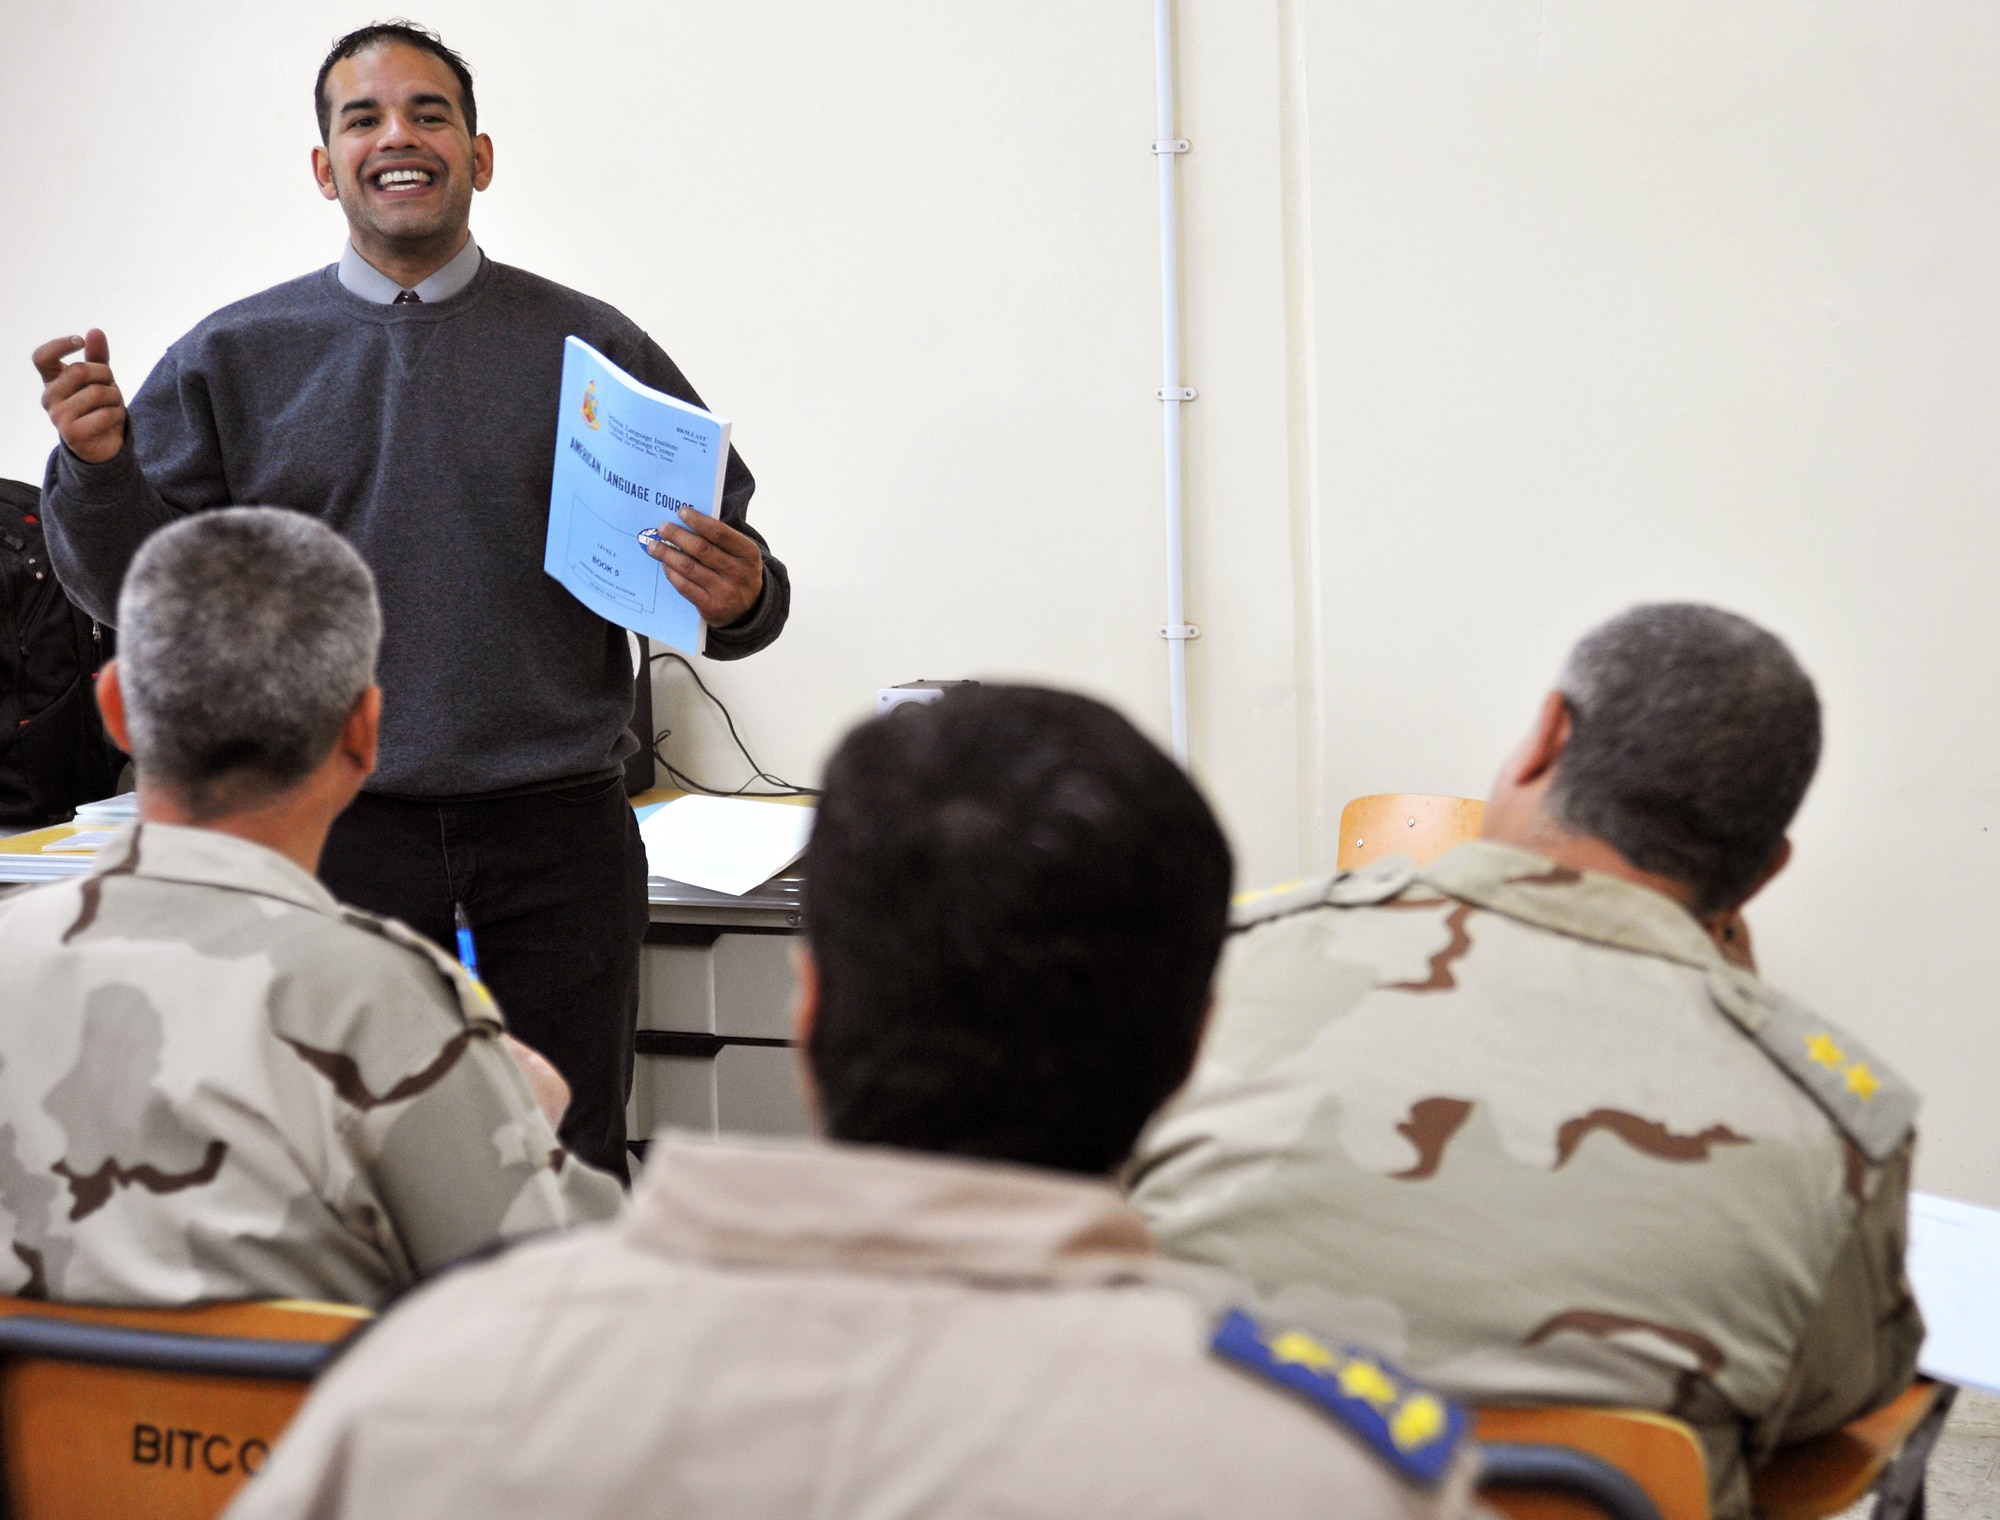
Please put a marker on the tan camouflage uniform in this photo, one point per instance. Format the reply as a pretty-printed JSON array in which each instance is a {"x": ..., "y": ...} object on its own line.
[
  {"x": 1528, "y": 1131},
  {"x": 828, "y": 1330},
  {"x": 218, "y": 1083}
]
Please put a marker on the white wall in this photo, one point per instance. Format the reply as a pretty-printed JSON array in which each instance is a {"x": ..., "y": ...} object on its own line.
[
  {"x": 1502, "y": 316},
  {"x": 1690, "y": 300}
]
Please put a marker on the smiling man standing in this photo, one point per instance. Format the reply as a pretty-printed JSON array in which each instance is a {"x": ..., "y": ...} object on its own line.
[{"x": 407, "y": 397}]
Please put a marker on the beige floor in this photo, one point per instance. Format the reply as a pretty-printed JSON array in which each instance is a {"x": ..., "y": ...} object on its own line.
[{"x": 1965, "y": 1465}]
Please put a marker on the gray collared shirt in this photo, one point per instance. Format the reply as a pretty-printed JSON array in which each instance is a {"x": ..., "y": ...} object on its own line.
[{"x": 441, "y": 284}]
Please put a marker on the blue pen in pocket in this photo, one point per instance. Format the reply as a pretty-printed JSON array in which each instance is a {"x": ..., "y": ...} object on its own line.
[{"x": 467, "y": 956}]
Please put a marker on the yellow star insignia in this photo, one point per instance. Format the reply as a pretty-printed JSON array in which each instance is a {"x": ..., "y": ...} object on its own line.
[
  {"x": 1418, "y": 1423},
  {"x": 1822, "y": 1049},
  {"x": 1298, "y": 1347},
  {"x": 1244, "y": 899},
  {"x": 1369, "y": 1383},
  {"x": 1862, "y": 1082}
]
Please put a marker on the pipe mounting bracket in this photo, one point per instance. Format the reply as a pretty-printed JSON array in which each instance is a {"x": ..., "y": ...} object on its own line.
[
  {"x": 1179, "y": 631},
  {"x": 1177, "y": 393},
  {"x": 1172, "y": 145}
]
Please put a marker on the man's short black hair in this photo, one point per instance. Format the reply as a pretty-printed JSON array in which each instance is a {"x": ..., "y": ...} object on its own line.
[
  {"x": 1015, "y": 904},
  {"x": 1694, "y": 735},
  {"x": 409, "y": 33}
]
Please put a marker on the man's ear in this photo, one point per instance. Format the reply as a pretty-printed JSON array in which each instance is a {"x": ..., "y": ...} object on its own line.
[
  {"x": 322, "y": 163},
  {"x": 1538, "y": 753},
  {"x": 111, "y": 703},
  {"x": 805, "y": 1014},
  {"x": 1514, "y": 808},
  {"x": 359, "y": 735},
  {"x": 1780, "y": 858},
  {"x": 482, "y": 161},
  {"x": 805, "y": 1005}
]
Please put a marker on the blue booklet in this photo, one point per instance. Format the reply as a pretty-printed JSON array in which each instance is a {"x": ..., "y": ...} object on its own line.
[{"x": 627, "y": 457}]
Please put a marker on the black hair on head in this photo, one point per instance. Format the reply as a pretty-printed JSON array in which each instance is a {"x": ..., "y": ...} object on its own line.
[
  {"x": 410, "y": 35},
  {"x": 1015, "y": 906}
]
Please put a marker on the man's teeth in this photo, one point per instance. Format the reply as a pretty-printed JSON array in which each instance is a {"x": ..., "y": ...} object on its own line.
[{"x": 396, "y": 179}]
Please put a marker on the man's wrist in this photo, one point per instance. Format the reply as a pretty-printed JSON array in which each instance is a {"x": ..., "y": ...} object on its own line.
[
  {"x": 82, "y": 475},
  {"x": 756, "y": 607}
]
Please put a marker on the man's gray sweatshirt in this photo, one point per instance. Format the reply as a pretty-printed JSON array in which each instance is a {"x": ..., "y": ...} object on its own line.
[{"x": 424, "y": 434}]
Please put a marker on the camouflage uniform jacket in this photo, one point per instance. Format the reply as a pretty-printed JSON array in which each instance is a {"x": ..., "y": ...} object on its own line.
[
  {"x": 783, "y": 1329},
  {"x": 1528, "y": 1131},
  {"x": 218, "y": 1083}
]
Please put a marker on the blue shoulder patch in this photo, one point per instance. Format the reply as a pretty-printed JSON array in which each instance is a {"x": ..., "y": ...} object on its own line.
[{"x": 1411, "y": 1427}]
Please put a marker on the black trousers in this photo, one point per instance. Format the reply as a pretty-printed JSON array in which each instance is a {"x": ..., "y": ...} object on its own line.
[{"x": 554, "y": 884}]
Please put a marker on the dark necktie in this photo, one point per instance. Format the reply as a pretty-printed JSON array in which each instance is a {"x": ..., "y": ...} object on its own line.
[{"x": 407, "y": 298}]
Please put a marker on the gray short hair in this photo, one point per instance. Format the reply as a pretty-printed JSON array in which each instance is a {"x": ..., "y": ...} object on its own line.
[
  {"x": 245, "y": 636},
  {"x": 1694, "y": 737}
]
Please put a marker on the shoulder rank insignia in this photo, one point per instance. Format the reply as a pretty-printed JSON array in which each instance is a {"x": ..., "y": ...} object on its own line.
[
  {"x": 1872, "y": 1105},
  {"x": 1341, "y": 889},
  {"x": 1415, "y": 1429}
]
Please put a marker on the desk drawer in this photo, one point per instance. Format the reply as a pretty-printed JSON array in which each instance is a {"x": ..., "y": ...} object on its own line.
[
  {"x": 757, "y": 1091},
  {"x": 735, "y": 1089},
  {"x": 736, "y": 984}
]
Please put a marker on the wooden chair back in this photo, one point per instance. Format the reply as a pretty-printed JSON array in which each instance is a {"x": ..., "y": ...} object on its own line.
[
  {"x": 1661, "y": 1454},
  {"x": 85, "y": 1439},
  {"x": 1415, "y": 824}
]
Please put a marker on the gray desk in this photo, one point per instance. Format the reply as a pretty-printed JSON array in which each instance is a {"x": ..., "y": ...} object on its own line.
[
  {"x": 715, "y": 1003},
  {"x": 715, "y": 1000}
]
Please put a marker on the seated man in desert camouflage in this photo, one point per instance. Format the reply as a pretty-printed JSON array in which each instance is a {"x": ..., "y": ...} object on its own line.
[
  {"x": 945, "y": 1308},
  {"x": 1517, "y": 1116},
  {"x": 215, "y": 1081}
]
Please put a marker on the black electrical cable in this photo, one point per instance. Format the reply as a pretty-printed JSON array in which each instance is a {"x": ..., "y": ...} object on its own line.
[{"x": 783, "y": 788}]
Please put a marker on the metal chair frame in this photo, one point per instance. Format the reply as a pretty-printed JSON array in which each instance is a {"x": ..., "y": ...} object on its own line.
[
  {"x": 163, "y": 1350},
  {"x": 1517, "y": 1464},
  {"x": 1899, "y": 1492}
]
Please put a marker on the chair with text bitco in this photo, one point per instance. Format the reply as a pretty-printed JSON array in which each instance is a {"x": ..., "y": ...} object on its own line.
[{"x": 156, "y": 1412}]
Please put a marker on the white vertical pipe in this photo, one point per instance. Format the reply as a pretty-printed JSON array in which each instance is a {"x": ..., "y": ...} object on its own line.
[{"x": 1170, "y": 375}]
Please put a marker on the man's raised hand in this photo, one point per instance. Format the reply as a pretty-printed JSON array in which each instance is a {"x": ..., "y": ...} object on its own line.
[{"x": 83, "y": 400}]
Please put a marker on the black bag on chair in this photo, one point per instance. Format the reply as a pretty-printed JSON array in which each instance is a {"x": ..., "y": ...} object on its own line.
[{"x": 53, "y": 750}]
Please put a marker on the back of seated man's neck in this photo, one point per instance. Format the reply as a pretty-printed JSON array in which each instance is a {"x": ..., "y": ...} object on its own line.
[
  {"x": 1582, "y": 852},
  {"x": 278, "y": 822}
]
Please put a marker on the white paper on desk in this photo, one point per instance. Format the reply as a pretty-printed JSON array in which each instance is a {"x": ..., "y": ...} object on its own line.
[
  {"x": 82, "y": 842},
  {"x": 108, "y": 812},
  {"x": 1954, "y": 1266},
  {"x": 726, "y": 844}
]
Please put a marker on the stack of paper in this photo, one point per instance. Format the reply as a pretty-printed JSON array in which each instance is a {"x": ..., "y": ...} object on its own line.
[
  {"x": 83, "y": 842},
  {"x": 109, "y": 813},
  {"x": 95, "y": 823},
  {"x": 726, "y": 844}
]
